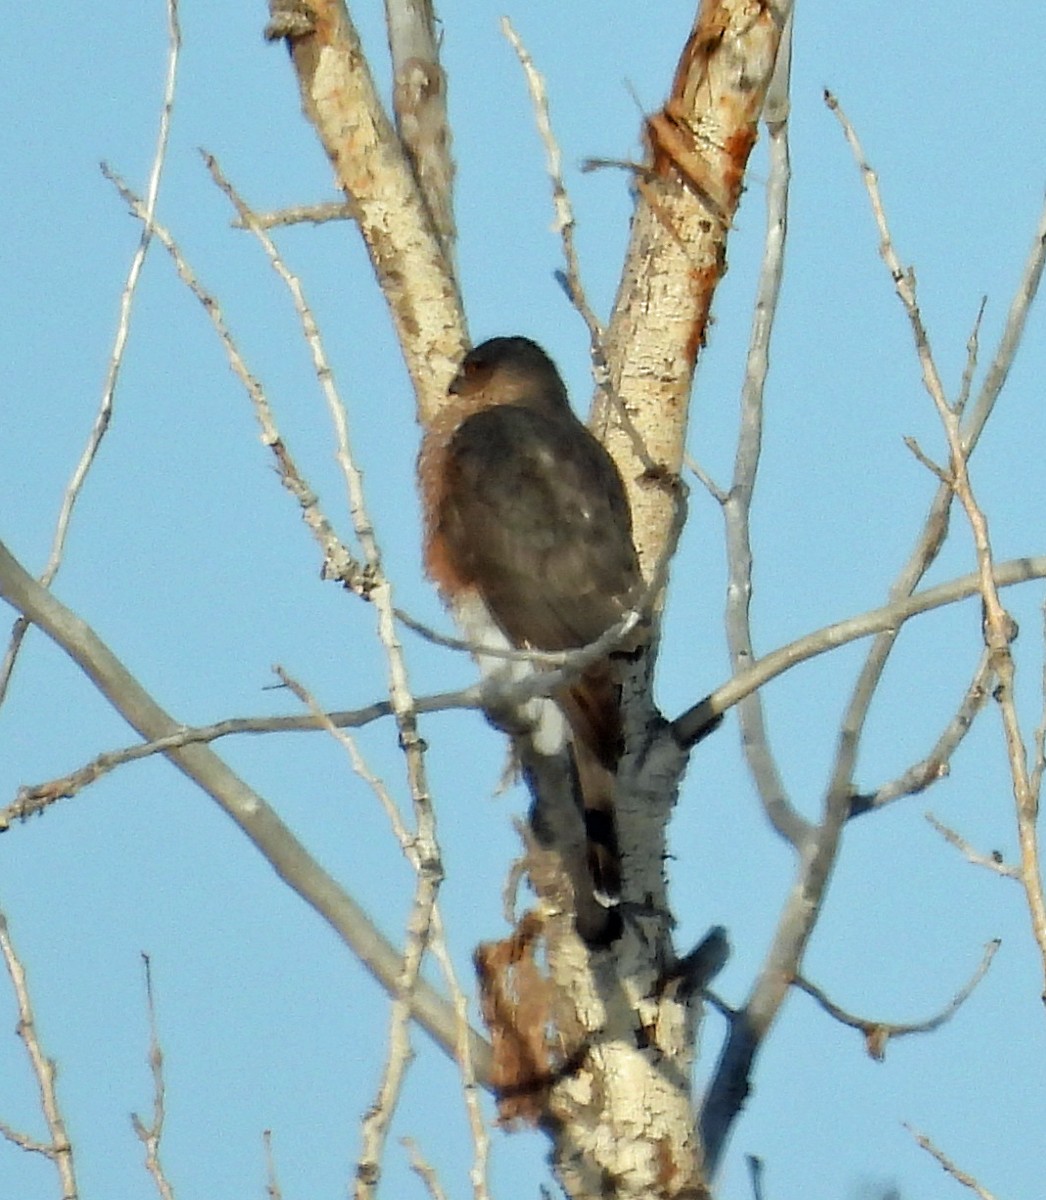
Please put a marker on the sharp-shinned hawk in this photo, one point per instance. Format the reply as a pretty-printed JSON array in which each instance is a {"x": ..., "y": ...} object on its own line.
[{"x": 528, "y": 527}]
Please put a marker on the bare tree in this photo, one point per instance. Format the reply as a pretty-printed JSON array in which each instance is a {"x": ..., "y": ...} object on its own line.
[{"x": 591, "y": 1040}]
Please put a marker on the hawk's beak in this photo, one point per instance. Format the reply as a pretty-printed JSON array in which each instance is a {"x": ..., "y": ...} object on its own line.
[{"x": 455, "y": 385}]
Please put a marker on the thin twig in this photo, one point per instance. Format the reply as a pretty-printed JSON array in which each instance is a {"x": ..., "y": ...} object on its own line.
[
  {"x": 955, "y": 1172},
  {"x": 994, "y": 861},
  {"x": 706, "y": 480},
  {"x": 878, "y": 1033},
  {"x": 34, "y": 798},
  {"x": 59, "y": 1149},
  {"x": 726, "y": 1011},
  {"x": 565, "y": 222},
  {"x": 150, "y": 1135},
  {"x": 924, "y": 460},
  {"x": 1013, "y": 331},
  {"x": 477, "y": 1122},
  {"x": 105, "y": 408},
  {"x": 570, "y": 278},
  {"x": 321, "y": 364},
  {"x": 378, "y": 1119},
  {"x": 338, "y": 563},
  {"x": 493, "y": 694},
  {"x": 973, "y": 343},
  {"x": 1039, "y": 767},
  {"x": 936, "y": 764},
  {"x": 755, "y": 1174},
  {"x": 313, "y": 214},
  {"x": 359, "y": 764},
  {"x": 424, "y": 1170},
  {"x": 379, "y": 589},
  {"x": 272, "y": 1183}
]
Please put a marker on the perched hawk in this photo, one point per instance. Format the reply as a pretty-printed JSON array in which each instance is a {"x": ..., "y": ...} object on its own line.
[{"x": 529, "y": 534}]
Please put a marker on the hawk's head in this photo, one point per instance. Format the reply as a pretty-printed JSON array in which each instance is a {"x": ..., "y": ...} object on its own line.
[{"x": 510, "y": 370}]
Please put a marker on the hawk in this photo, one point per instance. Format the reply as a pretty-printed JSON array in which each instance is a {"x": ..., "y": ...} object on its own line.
[{"x": 528, "y": 534}]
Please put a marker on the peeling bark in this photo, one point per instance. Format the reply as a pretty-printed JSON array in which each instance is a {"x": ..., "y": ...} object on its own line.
[
  {"x": 372, "y": 168},
  {"x": 686, "y": 199}
]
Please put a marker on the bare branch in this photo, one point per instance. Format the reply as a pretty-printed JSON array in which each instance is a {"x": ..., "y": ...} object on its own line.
[
  {"x": 994, "y": 861},
  {"x": 34, "y": 798},
  {"x": 401, "y": 704},
  {"x": 324, "y": 375},
  {"x": 999, "y": 627},
  {"x": 59, "y": 1149},
  {"x": 887, "y": 619},
  {"x": 491, "y": 694},
  {"x": 737, "y": 502},
  {"x": 419, "y": 98},
  {"x": 150, "y": 1135},
  {"x": 369, "y": 581},
  {"x": 123, "y": 326},
  {"x": 23, "y": 1141},
  {"x": 727, "y": 1011},
  {"x": 935, "y": 527},
  {"x": 878, "y": 1033},
  {"x": 954, "y": 1171},
  {"x": 252, "y": 814},
  {"x": 730, "y": 1083},
  {"x": 687, "y": 728}
]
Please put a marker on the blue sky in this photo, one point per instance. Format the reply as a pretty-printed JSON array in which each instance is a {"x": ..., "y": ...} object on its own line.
[{"x": 187, "y": 557}]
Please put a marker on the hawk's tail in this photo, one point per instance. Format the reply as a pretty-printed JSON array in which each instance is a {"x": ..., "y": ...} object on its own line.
[
  {"x": 592, "y": 707},
  {"x": 596, "y": 800}
]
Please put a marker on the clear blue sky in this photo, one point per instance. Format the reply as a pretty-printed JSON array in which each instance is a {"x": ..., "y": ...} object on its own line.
[{"x": 189, "y": 559}]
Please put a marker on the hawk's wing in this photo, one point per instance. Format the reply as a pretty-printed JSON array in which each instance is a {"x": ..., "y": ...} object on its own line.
[{"x": 535, "y": 516}]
